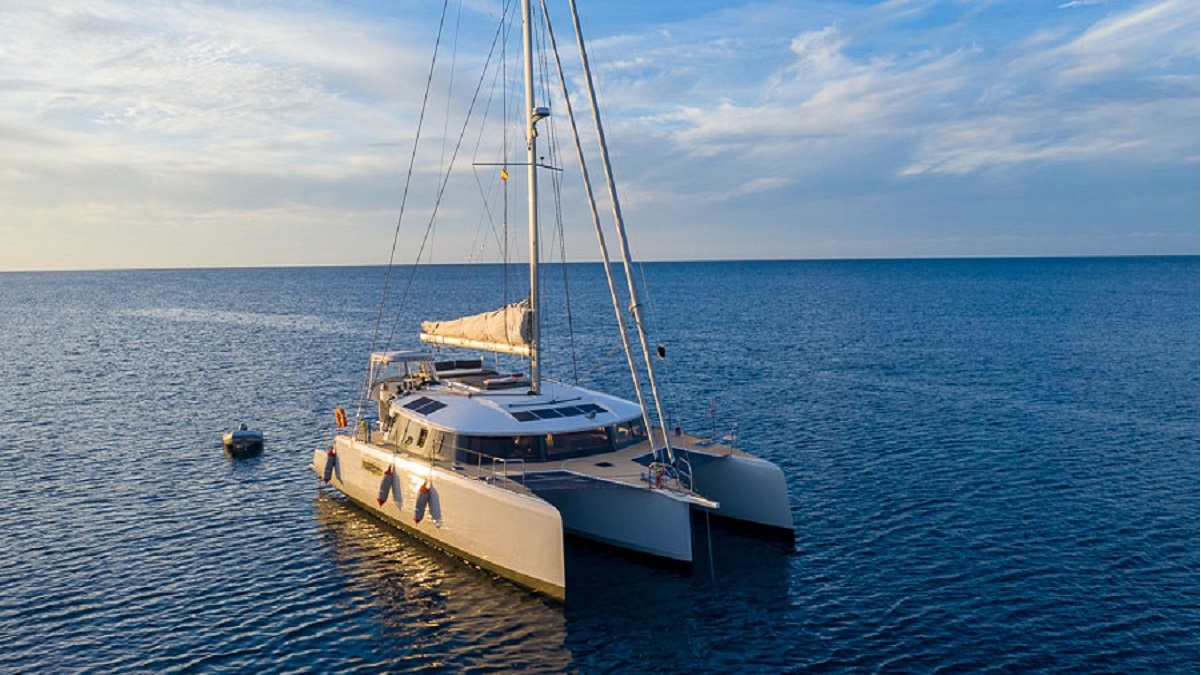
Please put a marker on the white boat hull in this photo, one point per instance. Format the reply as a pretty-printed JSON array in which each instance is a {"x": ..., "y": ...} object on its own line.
[
  {"x": 519, "y": 537},
  {"x": 654, "y": 522},
  {"x": 749, "y": 489}
]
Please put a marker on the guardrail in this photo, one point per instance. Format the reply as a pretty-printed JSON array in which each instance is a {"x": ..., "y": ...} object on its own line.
[{"x": 489, "y": 468}]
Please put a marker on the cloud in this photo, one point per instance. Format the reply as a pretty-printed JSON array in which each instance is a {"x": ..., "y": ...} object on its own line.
[
  {"x": 198, "y": 77},
  {"x": 1147, "y": 38},
  {"x": 120, "y": 118},
  {"x": 1115, "y": 92},
  {"x": 136, "y": 115},
  {"x": 1052, "y": 97},
  {"x": 839, "y": 124}
]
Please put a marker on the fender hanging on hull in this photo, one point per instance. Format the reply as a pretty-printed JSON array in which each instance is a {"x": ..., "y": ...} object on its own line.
[
  {"x": 387, "y": 486},
  {"x": 331, "y": 463},
  {"x": 423, "y": 500}
]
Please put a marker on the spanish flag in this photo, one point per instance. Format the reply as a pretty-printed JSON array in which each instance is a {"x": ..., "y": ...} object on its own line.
[{"x": 504, "y": 175}]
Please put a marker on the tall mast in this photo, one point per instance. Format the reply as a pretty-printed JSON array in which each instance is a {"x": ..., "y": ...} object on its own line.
[{"x": 532, "y": 116}]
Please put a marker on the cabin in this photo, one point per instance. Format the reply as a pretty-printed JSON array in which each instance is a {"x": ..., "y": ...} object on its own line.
[{"x": 461, "y": 410}]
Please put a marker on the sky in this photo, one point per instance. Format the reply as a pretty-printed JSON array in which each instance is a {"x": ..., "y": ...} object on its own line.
[{"x": 197, "y": 134}]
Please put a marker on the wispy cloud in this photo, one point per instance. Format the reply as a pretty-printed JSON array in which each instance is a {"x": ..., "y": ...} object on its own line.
[
  {"x": 168, "y": 129},
  {"x": 1072, "y": 94},
  {"x": 122, "y": 117}
]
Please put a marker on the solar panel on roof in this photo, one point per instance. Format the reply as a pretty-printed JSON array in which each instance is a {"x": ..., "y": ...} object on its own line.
[
  {"x": 432, "y": 406},
  {"x": 418, "y": 402},
  {"x": 424, "y": 405},
  {"x": 555, "y": 413}
]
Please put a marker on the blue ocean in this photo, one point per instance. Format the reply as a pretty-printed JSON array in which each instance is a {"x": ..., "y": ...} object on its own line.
[{"x": 992, "y": 465}]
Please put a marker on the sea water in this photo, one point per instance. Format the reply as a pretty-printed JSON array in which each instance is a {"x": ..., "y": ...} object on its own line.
[{"x": 992, "y": 466}]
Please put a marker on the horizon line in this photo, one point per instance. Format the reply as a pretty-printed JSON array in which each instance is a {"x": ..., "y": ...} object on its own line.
[{"x": 919, "y": 258}]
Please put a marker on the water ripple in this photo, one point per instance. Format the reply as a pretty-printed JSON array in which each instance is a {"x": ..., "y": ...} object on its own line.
[{"x": 993, "y": 467}]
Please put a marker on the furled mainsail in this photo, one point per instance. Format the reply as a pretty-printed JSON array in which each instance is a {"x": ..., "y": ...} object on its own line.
[{"x": 508, "y": 329}]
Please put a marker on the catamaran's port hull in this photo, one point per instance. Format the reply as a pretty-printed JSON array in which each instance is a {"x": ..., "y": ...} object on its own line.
[
  {"x": 517, "y": 536},
  {"x": 518, "y": 533}
]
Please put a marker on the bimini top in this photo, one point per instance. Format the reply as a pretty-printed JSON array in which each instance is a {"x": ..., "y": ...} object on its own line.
[
  {"x": 401, "y": 356},
  {"x": 559, "y": 408}
]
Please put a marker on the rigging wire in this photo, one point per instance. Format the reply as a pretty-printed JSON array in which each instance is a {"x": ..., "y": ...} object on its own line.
[
  {"x": 635, "y": 307},
  {"x": 486, "y": 213},
  {"x": 597, "y": 229},
  {"x": 450, "y": 81},
  {"x": 400, "y": 217},
  {"x": 504, "y": 147},
  {"x": 557, "y": 184},
  {"x": 499, "y": 82},
  {"x": 445, "y": 180},
  {"x": 555, "y": 159},
  {"x": 601, "y": 361}
]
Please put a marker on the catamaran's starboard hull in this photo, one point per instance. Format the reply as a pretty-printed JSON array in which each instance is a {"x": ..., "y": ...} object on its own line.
[
  {"x": 648, "y": 521},
  {"x": 518, "y": 537},
  {"x": 750, "y": 490}
]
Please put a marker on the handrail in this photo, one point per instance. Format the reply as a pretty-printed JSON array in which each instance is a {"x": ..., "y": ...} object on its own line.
[
  {"x": 504, "y": 463},
  {"x": 498, "y": 467}
]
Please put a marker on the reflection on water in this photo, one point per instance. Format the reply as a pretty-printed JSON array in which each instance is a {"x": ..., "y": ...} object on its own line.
[
  {"x": 448, "y": 613},
  {"x": 992, "y": 466},
  {"x": 274, "y": 321},
  {"x": 627, "y": 614},
  {"x": 444, "y": 612}
]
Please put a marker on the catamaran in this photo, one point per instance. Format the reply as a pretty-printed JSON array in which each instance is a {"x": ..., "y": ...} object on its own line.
[{"x": 496, "y": 466}]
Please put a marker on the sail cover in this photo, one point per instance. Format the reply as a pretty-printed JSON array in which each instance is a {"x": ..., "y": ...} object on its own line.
[{"x": 508, "y": 329}]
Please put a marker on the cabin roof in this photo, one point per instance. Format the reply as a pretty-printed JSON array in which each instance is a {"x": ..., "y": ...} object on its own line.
[{"x": 558, "y": 408}]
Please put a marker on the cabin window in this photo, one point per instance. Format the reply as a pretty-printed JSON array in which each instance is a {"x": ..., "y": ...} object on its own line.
[
  {"x": 628, "y": 433},
  {"x": 398, "y": 430},
  {"x": 469, "y": 449},
  {"x": 446, "y": 444},
  {"x": 578, "y": 443},
  {"x": 414, "y": 434},
  {"x": 528, "y": 448}
]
